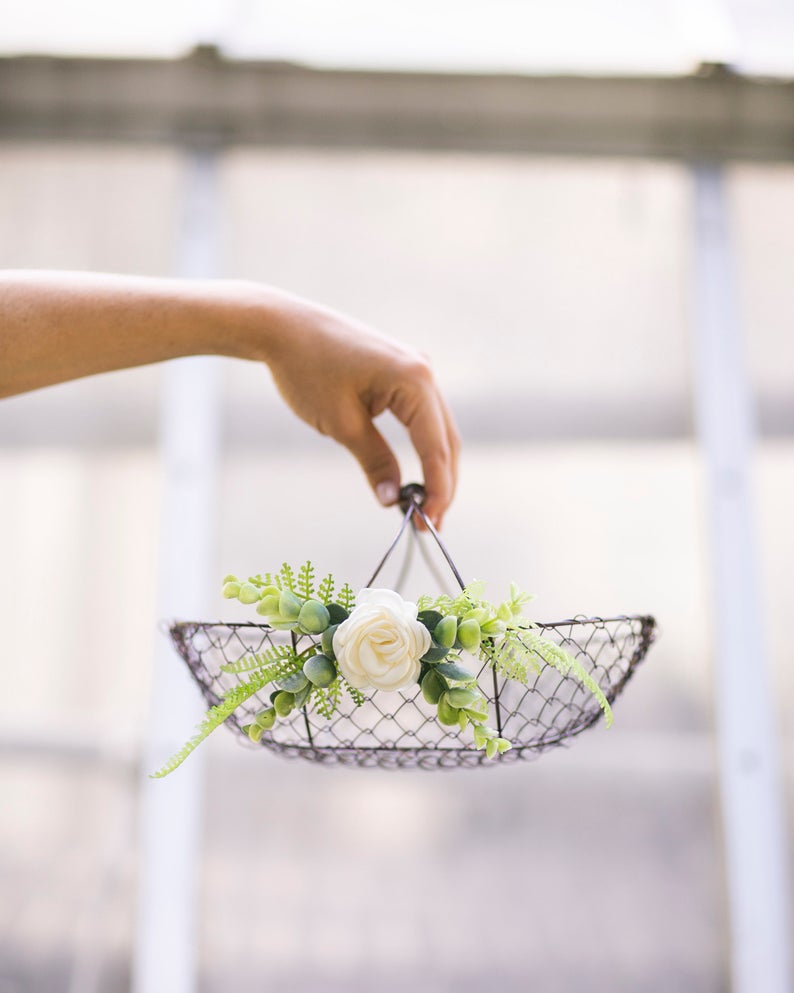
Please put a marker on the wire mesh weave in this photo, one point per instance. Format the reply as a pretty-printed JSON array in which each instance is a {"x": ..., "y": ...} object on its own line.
[{"x": 400, "y": 730}]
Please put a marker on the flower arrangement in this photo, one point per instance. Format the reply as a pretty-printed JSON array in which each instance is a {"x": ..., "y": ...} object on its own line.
[{"x": 375, "y": 640}]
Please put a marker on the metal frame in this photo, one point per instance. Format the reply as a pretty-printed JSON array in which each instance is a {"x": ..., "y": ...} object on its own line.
[
  {"x": 165, "y": 954},
  {"x": 713, "y": 114},
  {"x": 751, "y": 782}
]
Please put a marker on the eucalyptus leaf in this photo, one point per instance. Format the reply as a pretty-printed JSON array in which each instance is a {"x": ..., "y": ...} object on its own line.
[
  {"x": 430, "y": 618},
  {"x": 453, "y": 671}
]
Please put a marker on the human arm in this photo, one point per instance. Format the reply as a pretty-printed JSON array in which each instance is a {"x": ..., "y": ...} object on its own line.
[{"x": 336, "y": 374}]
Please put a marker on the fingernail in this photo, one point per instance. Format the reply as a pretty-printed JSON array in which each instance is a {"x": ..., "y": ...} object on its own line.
[{"x": 386, "y": 492}]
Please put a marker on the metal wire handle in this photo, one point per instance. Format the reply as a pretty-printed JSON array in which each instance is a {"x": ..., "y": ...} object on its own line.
[{"x": 410, "y": 501}]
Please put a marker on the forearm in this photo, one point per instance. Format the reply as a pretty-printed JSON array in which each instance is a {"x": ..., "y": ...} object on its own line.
[
  {"x": 337, "y": 374},
  {"x": 59, "y": 326}
]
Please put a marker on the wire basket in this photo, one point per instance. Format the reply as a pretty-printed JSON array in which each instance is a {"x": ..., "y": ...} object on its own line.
[{"x": 399, "y": 729}]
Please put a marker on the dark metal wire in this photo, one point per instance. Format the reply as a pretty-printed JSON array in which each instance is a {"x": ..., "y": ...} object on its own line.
[{"x": 400, "y": 730}]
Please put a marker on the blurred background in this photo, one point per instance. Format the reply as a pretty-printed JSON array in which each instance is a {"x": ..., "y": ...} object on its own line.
[{"x": 576, "y": 210}]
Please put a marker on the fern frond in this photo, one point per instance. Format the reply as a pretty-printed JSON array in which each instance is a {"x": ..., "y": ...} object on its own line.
[
  {"x": 287, "y": 577},
  {"x": 282, "y": 658},
  {"x": 304, "y": 585},
  {"x": 213, "y": 719},
  {"x": 556, "y": 656},
  {"x": 355, "y": 695},
  {"x": 347, "y": 598},
  {"x": 326, "y": 700},
  {"x": 510, "y": 660},
  {"x": 326, "y": 591}
]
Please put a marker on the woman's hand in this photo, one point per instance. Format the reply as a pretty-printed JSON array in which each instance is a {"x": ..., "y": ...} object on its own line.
[{"x": 336, "y": 374}]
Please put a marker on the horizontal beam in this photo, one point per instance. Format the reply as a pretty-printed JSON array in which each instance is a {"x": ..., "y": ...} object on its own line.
[{"x": 208, "y": 99}]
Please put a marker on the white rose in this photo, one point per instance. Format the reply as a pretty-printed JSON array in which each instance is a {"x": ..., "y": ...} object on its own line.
[{"x": 381, "y": 643}]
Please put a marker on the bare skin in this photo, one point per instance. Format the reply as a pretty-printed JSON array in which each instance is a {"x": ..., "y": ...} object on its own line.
[{"x": 335, "y": 374}]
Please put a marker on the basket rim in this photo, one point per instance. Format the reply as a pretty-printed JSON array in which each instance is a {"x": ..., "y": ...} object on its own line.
[{"x": 648, "y": 621}]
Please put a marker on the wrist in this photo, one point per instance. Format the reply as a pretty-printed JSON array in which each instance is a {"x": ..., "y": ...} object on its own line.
[{"x": 252, "y": 321}]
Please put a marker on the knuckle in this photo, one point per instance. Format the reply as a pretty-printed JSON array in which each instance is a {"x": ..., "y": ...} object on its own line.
[
  {"x": 349, "y": 433},
  {"x": 419, "y": 370}
]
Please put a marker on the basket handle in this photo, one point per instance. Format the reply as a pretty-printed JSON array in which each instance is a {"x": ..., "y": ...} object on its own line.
[{"x": 410, "y": 501}]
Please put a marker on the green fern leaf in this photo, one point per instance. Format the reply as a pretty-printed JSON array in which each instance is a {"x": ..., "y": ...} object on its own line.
[
  {"x": 347, "y": 598},
  {"x": 326, "y": 591},
  {"x": 287, "y": 577},
  {"x": 304, "y": 586},
  {"x": 556, "y": 656},
  {"x": 213, "y": 719},
  {"x": 355, "y": 695},
  {"x": 280, "y": 658},
  {"x": 326, "y": 699}
]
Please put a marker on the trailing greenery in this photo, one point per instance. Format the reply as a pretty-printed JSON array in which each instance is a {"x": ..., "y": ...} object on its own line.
[
  {"x": 310, "y": 678},
  {"x": 214, "y": 717}
]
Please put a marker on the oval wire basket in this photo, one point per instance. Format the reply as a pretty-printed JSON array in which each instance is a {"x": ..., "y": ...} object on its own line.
[{"x": 399, "y": 729}]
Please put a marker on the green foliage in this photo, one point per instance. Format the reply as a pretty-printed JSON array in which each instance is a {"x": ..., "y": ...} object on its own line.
[
  {"x": 524, "y": 646},
  {"x": 213, "y": 719},
  {"x": 355, "y": 695},
  {"x": 304, "y": 585},
  {"x": 326, "y": 700},
  {"x": 503, "y": 639},
  {"x": 325, "y": 592},
  {"x": 281, "y": 658},
  {"x": 347, "y": 598},
  {"x": 287, "y": 578}
]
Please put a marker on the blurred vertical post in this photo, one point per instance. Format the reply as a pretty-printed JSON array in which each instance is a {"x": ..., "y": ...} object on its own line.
[
  {"x": 751, "y": 783},
  {"x": 165, "y": 956}
]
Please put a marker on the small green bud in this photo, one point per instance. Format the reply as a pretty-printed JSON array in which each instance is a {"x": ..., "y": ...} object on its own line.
[
  {"x": 314, "y": 617},
  {"x": 494, "y": 628},
  {"x": 248, "y": 593},
  {"x": 446, "y": 631},
  {"x": 284, "y": 703},
  {"x": 266, "y": 718},
  {"x": 505, "y": 612},
  {"x": 268, "y": 606},
  {"x": 447, "y": 714},
  {"x": 230, "y": 579},
  {"x": 433, "y": 686},
  {"x": 463, "y": 698},
  {"x": 231, "y": 589},
  {"x": 503, "y": 745},
  {"x": 320, "y": 670},
  {"x": 289, "y": 606},
  {"x": 469, "y": 634},
  {"x": 270, "y": 591},
  {"x": 480, "y": 736},
  {"x": 254, "y": 732}
]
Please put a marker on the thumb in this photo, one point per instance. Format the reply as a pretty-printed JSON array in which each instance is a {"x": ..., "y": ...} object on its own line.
[{"x": 377, "y": 460}]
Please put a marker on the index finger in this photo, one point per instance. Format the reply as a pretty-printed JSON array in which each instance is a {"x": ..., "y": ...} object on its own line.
[{"x": 423, "y": 416}]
